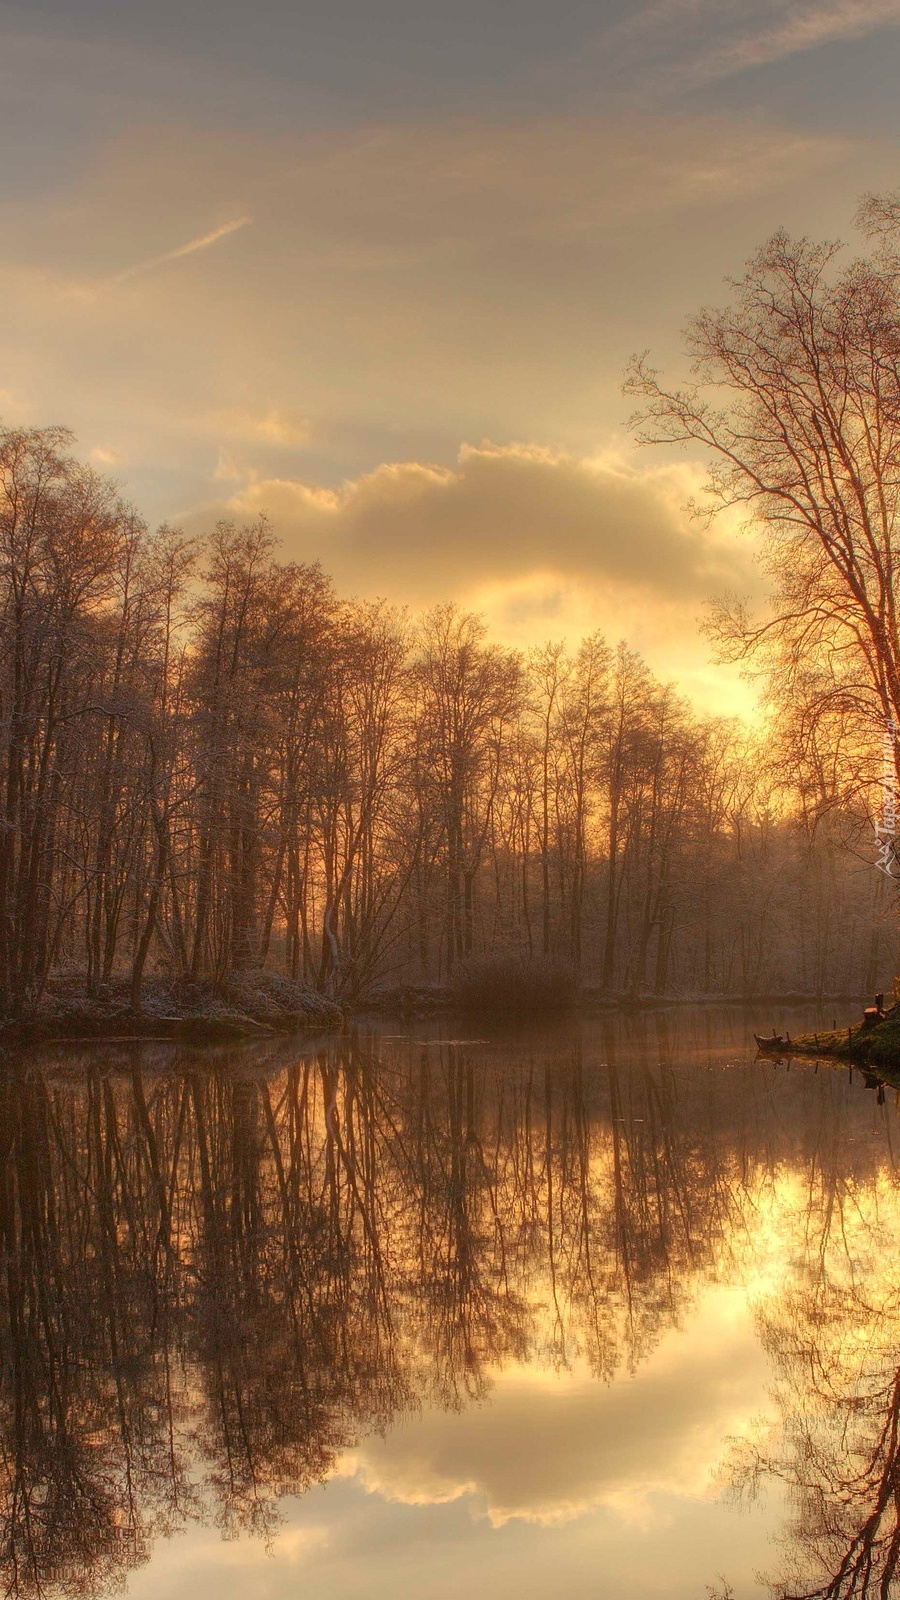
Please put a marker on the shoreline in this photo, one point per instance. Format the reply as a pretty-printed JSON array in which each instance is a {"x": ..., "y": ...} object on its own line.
[
  {"x": 246, "y": 1005},
  {"x": 875, "y": 1048},
  {"x": 420, "y": 1002},
  {"x": 76, "y": 1019},
  {"x": 198, "y": 1030}
]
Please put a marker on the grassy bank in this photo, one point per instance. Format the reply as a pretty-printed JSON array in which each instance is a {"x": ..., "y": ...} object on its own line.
[
  {"x": 241, "y": 1005},
  {"x": 875, "y": 1046}
]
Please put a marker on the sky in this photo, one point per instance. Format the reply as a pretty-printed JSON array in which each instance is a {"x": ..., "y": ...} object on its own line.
[{"x": 376, "y": 267}]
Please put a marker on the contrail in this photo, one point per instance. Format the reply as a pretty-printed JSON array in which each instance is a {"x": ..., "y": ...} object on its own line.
[{"x": 188, "y": 249}]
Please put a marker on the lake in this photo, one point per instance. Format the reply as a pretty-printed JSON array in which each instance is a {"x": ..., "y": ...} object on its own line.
[{"x": 608, "y": 1309}]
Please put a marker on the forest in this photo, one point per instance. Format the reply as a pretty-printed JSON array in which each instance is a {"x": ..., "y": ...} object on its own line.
[{"x": 211, "y": 762}]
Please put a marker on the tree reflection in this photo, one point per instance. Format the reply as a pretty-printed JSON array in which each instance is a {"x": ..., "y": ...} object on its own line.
[
  {"x": 834, "y": 1339},
  {"x": 221, "y": 1270}
]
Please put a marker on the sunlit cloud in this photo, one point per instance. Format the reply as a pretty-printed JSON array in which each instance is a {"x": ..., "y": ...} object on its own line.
[
  {"x": 505, "y": 513},
  {"x": 408, "y": 283},
  {"x": 104, "y": 457},
  {"x": 202, "y": 242},
  {"x": 15, "y": 407},
  {"x": 689, "y": 43},
  {"x": 270, "y": 425},
  {"x": 542, "y": 543},
  {"x": 804, "y": 28},
  {"x": 404, "y": 285}
]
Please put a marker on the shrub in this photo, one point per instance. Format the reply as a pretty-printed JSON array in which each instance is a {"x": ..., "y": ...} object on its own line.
[{"x": 513, "y": 986}]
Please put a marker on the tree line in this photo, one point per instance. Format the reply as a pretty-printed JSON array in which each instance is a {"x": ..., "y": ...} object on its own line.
[{"x": 211, "y": 762}]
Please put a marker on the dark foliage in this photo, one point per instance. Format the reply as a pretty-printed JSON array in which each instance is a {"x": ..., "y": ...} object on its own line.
[{"x": 513, "y": 986}]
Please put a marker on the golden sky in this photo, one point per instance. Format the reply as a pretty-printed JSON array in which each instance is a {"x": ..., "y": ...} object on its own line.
[{"x": 377, "y": 270}]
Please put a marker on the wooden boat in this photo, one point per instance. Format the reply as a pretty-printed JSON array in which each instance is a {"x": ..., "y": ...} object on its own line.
[{"x": 772, "y": 1044}]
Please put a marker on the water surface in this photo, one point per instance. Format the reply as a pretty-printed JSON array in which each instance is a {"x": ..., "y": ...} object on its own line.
[{"x": 607, "y": 1309}]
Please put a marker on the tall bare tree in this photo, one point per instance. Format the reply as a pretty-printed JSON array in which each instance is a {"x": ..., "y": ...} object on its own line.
[{"x": 796, "y": 405}]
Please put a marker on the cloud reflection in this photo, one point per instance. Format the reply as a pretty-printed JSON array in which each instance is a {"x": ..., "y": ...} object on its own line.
[{"x": 552, "y": 1446}]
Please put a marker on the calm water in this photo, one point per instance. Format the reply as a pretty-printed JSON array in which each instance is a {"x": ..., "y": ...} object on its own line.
[{"x": 601, "y": 1312}]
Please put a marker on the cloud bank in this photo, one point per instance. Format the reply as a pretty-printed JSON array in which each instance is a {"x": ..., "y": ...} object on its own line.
[
  {"x": 543, "y": 543},
  {"x": 503, "y": 514}
]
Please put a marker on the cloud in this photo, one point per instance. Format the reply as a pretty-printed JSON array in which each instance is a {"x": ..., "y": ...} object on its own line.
[
  {"x": 271, "y": 425},
  {"x": 803, "y": 28},
  {"x": 542, "y": 543},
  {"x": 390, "y": 194},
  {"x": 459, "y": 208},
  {"x": 104, "y": 458},
  {"x": 501, "y": 516},
  {"x": 403, "y": 285},
  {"x": 684, "y": 44},
  {"x": 202, "y": 242}
]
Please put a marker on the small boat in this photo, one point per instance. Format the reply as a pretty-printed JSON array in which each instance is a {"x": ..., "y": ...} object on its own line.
[{"x": 773, "y": 1043}]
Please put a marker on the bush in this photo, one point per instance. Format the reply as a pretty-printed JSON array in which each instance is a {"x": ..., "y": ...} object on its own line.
[
  {"x": 513, "y": 986},
  {"x": 884, "y": 1042}
]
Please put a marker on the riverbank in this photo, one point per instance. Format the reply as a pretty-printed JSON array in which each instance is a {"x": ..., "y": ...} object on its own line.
[
  {"x": 244, "y": 1005},
  {"x": 260, "y": 1004},
  {"x": 418, "y": 1002},
  {"x": 863, "y": 1044}
]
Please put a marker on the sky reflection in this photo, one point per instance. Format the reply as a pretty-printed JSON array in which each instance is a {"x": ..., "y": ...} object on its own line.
[{"x": 588, "y": 1313}]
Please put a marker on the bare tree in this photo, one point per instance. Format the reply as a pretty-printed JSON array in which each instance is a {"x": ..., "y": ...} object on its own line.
[{"x": 796, "y": 404}]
